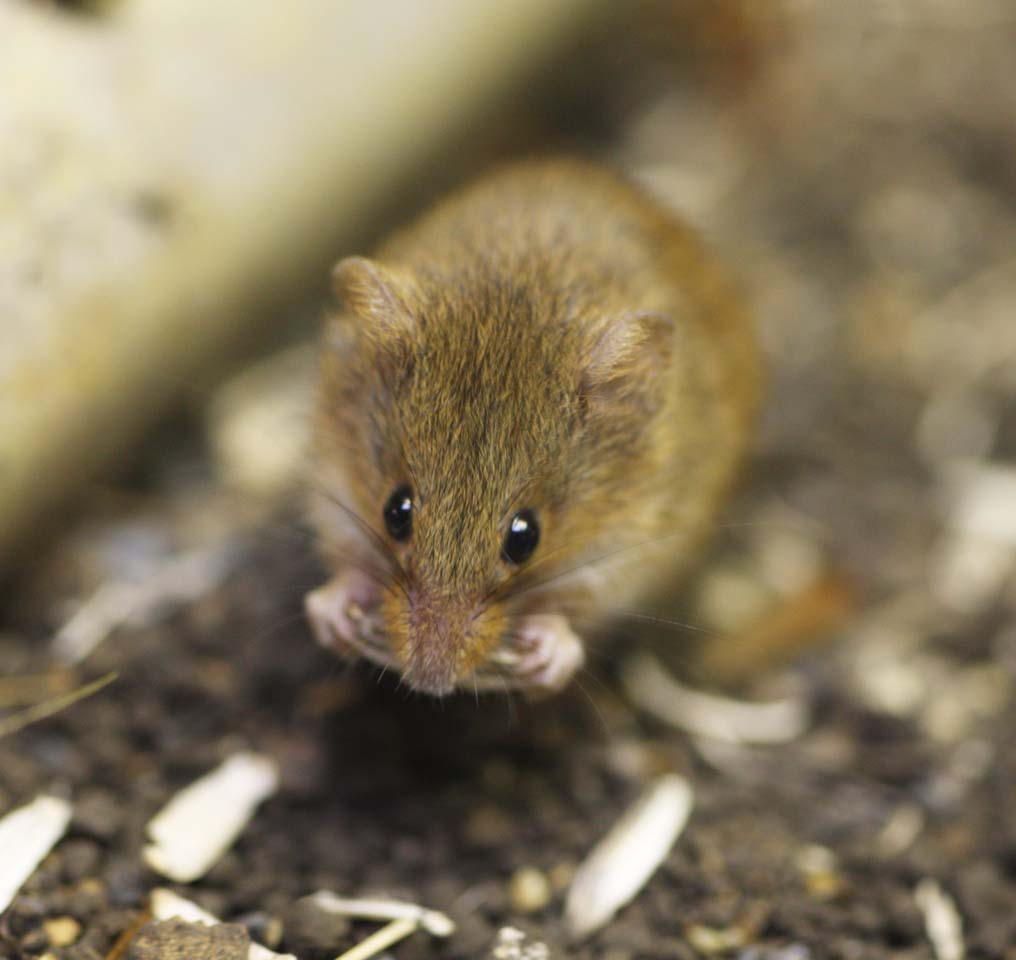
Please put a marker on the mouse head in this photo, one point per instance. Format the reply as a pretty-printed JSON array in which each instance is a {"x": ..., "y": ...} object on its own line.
[{"x": 474, "y": 437}]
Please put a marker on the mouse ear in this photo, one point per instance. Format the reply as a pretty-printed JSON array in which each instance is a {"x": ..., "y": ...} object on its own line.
[
  {"x": 628, "y": 353},
  {"x": 377, "y": 295}
]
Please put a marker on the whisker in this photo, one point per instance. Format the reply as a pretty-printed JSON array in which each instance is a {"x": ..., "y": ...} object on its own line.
[
  {"x": 592, "y": 703},
  {"x": 526, "y": 588},
  {"x": 400, "y": 577},
  {"x": 636, "y": 615}
]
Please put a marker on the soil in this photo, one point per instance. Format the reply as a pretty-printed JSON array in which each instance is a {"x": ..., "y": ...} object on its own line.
[{"x": 788, "y": 853}]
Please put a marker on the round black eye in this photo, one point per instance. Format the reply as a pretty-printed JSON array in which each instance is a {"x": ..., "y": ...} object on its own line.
[
  {"x": 399, "y": 513},
  {"x": 522, "y": 537}
]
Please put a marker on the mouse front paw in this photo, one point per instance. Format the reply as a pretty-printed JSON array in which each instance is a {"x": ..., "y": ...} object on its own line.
[
  {"x": 550, "y": 654},
  {"x": 339, "y": 610}
]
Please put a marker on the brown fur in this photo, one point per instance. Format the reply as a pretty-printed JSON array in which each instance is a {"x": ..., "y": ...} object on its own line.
[{"x": 548, "y": 338}]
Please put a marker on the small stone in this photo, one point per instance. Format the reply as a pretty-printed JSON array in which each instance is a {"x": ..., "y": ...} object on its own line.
[
  {"x": 262, "y": 927},
  {"x": 62, "y": 931},
  {"x": 529, "y": 890},
  {"x": 711, "y": 940},
  {"x": 820, "y": 871},
  {"x": 87, "y": 897},
  {"x": 176, "y": 940}
]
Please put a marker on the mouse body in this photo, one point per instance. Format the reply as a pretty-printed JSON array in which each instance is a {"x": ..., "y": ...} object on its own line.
[{"x": 530, "y": 407}]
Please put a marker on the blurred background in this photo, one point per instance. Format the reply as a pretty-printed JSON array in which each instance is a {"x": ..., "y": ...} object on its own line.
[{"x": 176, "y": 179}]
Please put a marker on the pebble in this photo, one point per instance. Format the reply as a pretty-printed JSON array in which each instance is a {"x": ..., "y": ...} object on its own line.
[
  {"x": 87, "y": 898},
  {"x": 529, "y": 890},
  {"x": 61, "y": 931},
  {"x": 263, "y": 927}
]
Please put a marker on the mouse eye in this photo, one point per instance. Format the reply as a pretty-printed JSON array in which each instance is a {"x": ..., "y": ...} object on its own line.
[
  {"x": 522, "y": 537},
  {"x": 398, "y": 514}
]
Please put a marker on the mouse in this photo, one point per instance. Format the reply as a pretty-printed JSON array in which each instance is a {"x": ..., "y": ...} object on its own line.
[{"x": 531, "y": 404}]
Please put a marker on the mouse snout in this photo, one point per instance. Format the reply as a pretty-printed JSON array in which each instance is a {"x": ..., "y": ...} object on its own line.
[{"x": 439, "y": 639}]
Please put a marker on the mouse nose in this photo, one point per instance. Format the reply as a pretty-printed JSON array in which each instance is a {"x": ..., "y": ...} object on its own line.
[{"x": 437, "y": 639}]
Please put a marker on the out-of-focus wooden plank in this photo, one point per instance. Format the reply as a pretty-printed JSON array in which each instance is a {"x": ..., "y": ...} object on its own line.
[{"x": 169, "y": 168}]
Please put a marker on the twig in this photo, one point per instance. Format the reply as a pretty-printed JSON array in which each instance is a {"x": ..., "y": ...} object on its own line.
[
  {"x": 381, "y": 940},
  {"x": 47, "y": 708},
  {"x": 127, "y": 936}
]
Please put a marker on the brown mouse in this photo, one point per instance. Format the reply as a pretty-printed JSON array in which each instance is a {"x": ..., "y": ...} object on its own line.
[{"x": 529, "y": 411}]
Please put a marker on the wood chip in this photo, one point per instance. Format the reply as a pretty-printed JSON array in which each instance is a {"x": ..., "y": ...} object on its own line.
[
  {"x": 47, "y": 708},
  {"x": 26, "y": 837},
  {"x": 381, "y": 940},
  {"x": 203, "y": 820},
  {"x": 621, "y": 864},
  {"x": 116, "y": 603},
  {"x": 166, "y": 905},
  {"x": 942, "y": 920},
  {"x": 437, "y": 924},
  {"x": 657, "y": 692},
  {"x": 984, "y": 502},
  {"x": 900, "y": 831}
]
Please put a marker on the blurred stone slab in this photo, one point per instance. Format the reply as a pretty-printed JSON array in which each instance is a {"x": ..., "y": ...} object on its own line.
[{"x": 170, "y": 169}]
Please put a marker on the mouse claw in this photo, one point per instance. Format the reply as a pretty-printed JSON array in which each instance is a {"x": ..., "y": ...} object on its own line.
[
  {"x": 336, "y": 610},
  {"x": 550, "y": 654}
]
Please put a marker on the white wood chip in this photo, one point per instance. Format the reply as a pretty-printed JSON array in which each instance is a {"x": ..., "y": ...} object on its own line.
[
  {"x": 201, "y": 822},
  {"x": 942, "y": 920},
  {"x": 116, "y": 603},
  {"x": 167, "y": 905},
  {"x": 388, "y": 935},
  {"x": 26, "y": 836},
  {"x": 984, "y": 502},
  {"x": 734, "y": 721},
  {"x": 624, "y": 860},
  {"x": 437, "y": 924}
]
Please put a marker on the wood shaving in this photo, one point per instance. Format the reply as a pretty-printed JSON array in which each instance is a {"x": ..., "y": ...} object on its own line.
[
  {"x": 942, "y": 920},
  {"x": 203, "y": 820},
  {"x": 26, "y": 836},
  {"x": 735, "y": 721},
  {"x": 117, "y": 603},
  {"x": 621, "y": 864},
  {"x": 388, "y": 935},
  {"x": 437, "y": 924}
]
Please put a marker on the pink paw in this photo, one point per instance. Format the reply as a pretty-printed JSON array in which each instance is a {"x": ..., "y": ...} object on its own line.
[
  {"x": 550, "y": 653},
  {"x": 338, "y": 611}
]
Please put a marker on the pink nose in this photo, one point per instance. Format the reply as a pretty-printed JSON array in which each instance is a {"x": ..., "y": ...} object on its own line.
[{"x": 436, "y": 639}]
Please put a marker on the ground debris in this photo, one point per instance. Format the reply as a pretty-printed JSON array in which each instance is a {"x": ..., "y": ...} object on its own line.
[
  {"x": 624, "y": 860},
  {"x": 202, "y": 821},
  {"x": 941, "y": 920},
  {"x": 167, "y": 906},
  {"x": 179, "y": 940},
  {"x": 26, "y": 836},
  {"x": 659, "y": 693},
  {"x": 47, "y": 708},
  {"x": 515, "y": 944}
]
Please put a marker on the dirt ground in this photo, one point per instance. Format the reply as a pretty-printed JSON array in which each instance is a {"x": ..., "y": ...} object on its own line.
[
  {"x": 876, "y": 253},
  {"x": 808, "y": 849}
]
